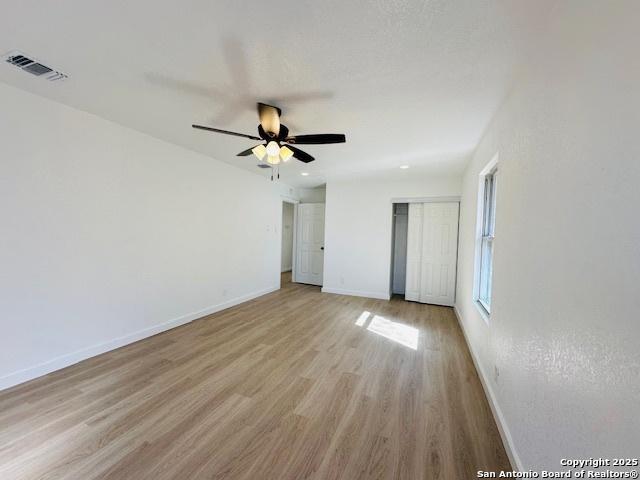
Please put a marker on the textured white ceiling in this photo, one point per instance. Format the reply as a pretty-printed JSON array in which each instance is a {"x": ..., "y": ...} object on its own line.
[{"x": 409, "y": 82}]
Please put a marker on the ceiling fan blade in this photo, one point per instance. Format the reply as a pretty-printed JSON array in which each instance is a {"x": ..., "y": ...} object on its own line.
[
  {"x": 319, "y": 139},
  {"x": 247, "y": 152},
  {"x": 226, "y": 132},
  {"x": 269, "y": 119},
  {"x": 300, "y": 155}
]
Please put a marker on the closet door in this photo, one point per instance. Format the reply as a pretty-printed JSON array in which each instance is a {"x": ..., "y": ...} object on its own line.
[
  {"x": 414, "y": 253},
  {"x": 439, "y": 253},
  {"x": 432, "y": 253}
]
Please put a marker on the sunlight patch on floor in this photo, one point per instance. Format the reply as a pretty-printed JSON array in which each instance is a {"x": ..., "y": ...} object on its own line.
[
  {"x": 395, "y": 331},
  {"x": 362, "y": 318}
]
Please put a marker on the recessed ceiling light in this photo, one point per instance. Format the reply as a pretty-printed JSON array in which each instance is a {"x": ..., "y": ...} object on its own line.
[
  {"x": 304, "y": 174},
  {"x": 404, "y": 167}
]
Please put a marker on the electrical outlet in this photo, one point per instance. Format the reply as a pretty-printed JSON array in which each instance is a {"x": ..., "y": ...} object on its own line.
[
  {"x": 341, "y": 280},
  {"x": 496, "y": 373},
  {"x": 224, "y": 293}
]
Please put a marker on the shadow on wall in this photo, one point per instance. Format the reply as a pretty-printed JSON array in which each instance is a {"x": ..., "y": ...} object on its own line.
[{"x": 240, "y": 96}]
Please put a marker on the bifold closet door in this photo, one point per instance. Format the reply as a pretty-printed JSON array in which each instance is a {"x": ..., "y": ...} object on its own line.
[
  {"x": 432, "y": 248},
  {"x": 414, "y": 252}
]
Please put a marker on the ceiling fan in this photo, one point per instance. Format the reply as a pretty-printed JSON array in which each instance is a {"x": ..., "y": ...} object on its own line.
[{"x": 278, "y": 144}]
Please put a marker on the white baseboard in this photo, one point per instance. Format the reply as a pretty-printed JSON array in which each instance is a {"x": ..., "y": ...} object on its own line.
[
  {"x": 356, "y": 293},
  {"x": 505, "y": 434},
  {"x": 24, "y": 375}
]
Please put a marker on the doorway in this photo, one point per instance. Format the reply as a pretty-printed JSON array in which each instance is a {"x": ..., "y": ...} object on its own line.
[
  {"x": 286, "y": 257},
  {"x": 399, "y": 248},
  {"x": 288, "y": 242}
]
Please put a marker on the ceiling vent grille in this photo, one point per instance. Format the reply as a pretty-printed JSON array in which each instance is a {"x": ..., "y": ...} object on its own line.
[{"x": 29, "y": 65}]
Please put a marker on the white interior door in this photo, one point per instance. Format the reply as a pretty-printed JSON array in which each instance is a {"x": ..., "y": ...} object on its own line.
[
  {"x": 310, "y": 243},
  {"x": 414, "y": 252},
  {"x": 432, "y": 249}
]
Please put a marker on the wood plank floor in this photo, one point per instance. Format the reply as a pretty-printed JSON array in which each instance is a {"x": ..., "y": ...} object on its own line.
[{"x": 296, "y": 384}]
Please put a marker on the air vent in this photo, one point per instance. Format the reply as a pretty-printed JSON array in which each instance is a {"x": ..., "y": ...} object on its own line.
[
  {"x": 29, "y": 65},
  {"x": 263, "y": 165}
]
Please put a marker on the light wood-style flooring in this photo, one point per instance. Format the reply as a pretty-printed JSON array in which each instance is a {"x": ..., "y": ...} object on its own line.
[{"x": 296, "y": 384}]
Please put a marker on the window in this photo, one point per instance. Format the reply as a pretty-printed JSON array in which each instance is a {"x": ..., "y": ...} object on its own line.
[{"x": 486, "y": 236}]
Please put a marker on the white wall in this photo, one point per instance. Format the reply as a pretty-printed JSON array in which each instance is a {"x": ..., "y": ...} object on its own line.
[
  {"x": 358, "y": 229},
  {"x": 312, "y": 195},
  {"x": 564, "y": 330},
  {"x": 287, "y": 237},
  {"x": 108, "y": 235}
]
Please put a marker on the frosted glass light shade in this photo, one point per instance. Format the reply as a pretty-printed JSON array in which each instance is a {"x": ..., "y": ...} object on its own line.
[
  {"x": 273, "y": 159},
  {"x": 273, "y": 149},
  {"x": 285, "y": 153},
  {"x": 259, "y": 151}
]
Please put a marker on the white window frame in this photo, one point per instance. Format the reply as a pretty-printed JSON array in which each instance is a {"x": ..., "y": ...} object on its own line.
[{"x": 485, "y": 232}]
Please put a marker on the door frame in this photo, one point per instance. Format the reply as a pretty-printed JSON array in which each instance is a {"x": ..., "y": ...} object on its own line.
[
  {"x": 450, "y": 199},
  {"x": 294, "y": 202},
  {"x": 441, "y": 199}
]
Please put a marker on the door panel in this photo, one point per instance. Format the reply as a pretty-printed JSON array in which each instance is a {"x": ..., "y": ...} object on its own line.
[
  {"x": 414, "y": 253},
  {"x": 310, "y": 244},
  {"x": 440, "y": 225}
]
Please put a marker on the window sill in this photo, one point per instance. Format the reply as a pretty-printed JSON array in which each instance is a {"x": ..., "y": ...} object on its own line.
[{"x": 483, "y": 311}]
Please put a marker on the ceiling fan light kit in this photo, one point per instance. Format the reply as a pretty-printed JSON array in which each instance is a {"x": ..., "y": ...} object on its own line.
[{"x": 278, "y": 146}]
